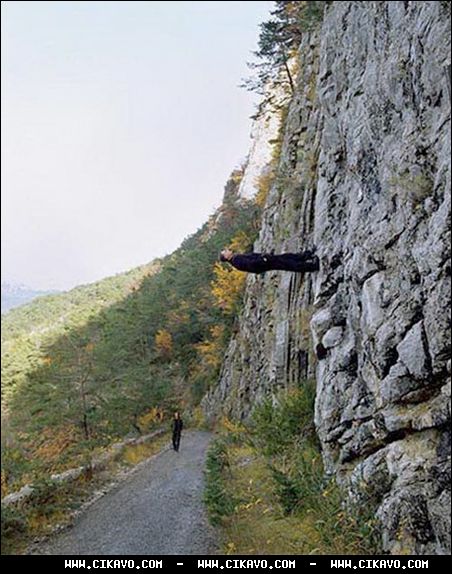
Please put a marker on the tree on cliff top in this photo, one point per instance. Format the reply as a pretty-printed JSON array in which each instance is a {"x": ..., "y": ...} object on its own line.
[{"x": 279, "y": 39}]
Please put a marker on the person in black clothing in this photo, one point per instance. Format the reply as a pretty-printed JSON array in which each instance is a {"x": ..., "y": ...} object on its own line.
[
  {"x": 177, "y": 430},
  {"x": 261, "y": 262}
]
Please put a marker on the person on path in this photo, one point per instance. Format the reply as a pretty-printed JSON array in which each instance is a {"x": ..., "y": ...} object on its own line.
[{"x": 177, "y": 430}]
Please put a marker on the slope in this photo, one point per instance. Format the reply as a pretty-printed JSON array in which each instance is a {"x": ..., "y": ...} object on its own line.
[{"x": 110, "y": 359}]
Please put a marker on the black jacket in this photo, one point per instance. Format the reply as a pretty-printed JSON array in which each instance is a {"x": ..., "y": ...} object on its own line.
[
  {"x": 251, "y": 262},
  {"x": 260, "y": 262},
  {"x": 177, "y": 426}
]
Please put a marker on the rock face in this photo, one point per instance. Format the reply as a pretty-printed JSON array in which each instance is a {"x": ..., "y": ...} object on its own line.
[
  {"x": 264, "y": 130},
  {"x": 364, "y": 175}
]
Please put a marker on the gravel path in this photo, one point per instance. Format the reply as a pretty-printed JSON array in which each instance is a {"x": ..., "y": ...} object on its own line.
[{"x": 158, "y": 510}]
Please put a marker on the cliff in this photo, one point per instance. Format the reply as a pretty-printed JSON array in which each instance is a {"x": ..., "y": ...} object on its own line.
[{"x": 364, "y": 174}]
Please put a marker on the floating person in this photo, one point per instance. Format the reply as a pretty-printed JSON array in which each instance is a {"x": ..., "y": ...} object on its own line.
[
  {"x": 177, "y": 430},
  {"x": 306, "y": 261}
]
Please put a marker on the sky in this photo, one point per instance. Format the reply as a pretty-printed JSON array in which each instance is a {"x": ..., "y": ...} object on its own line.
[{"x": 121, "y": 122}]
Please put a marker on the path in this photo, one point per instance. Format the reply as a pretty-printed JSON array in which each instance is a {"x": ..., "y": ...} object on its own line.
[{"x": 158, "y": 510}]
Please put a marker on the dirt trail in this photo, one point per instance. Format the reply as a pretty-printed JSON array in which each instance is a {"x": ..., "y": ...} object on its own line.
[{"x": 158, "y": 510}]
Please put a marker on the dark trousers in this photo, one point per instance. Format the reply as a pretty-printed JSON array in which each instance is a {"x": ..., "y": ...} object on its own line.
[
  {"x": 290, "y": 262},
  {"x": 176, "y": 440}
]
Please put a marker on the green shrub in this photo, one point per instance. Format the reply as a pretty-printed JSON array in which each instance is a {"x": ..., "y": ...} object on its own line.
[
  {"x": 300, "y": 481},
  {"x": 275, "y": 427},
  {"x": 283, "y": 430},
  {"x": 412, "y": 187},
  {"x": 219, "y": 501},
  {"x": 44, "y": 494},
  {"x": 13, "y": 520}
]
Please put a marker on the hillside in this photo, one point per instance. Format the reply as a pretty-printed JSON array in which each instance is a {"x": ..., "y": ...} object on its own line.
[
  {"x": 330, "y": 390},
  {"x": 15, "y": 295},
  {"x": 107, "y": 360}
]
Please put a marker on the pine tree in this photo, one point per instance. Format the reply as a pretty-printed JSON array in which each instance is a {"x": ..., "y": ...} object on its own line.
[{"x": 279, "y": 40}]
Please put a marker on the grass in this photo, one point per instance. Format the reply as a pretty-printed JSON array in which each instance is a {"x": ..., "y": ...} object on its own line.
[
  {"x": 50, "y": 505},
  {"x": 53, "y": 504},
  {"x": 412, "y": 187},
  {"x": 274, "y": 479},
  {"x": 219, "y": 500},
  {"x": 135, "y": 453},
  {"x": 258, "y": 524}
]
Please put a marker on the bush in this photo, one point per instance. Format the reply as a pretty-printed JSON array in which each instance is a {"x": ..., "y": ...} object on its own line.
[
  {"x": 301, "y": 481},
  {"x": 13, "y": 521},
  {"x": 283, "y": 430},
  {"x": 49, "y": 497},
  {"x": 44, "y": 493},
  {"x": 219, "y": 501},
  {"x": 278, "y": 422}
]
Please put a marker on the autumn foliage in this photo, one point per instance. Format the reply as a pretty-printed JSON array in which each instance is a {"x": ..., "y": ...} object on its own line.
[
  {"x": 163, "y": 343},
  {"x": 211, "y": 350},
  {"x": 83, "y": 369},
  {"x": 227, "y": 288}
]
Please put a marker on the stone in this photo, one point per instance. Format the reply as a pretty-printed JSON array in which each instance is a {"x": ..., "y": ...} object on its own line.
[
  {"x": 412, "y": 351},
  {"x": 332, "y": 337},
  {"x": 369, "y": 156},
  {"x": 371, "y": 301}
]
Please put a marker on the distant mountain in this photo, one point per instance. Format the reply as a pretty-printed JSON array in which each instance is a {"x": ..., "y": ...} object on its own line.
[{"x": 14, "y": 295}]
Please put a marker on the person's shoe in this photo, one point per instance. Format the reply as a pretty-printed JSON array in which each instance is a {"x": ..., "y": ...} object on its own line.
[
  {"x": 313, "y": 263},
  {"x": 309, "y": 253}
]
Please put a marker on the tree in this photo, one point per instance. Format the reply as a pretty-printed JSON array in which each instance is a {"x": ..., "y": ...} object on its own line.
[
  {"x": 73, "y": 368},
  {"x": 279, "y": 40},
  {"x": 164, "y": 343},
  {"x": 211, "y": 350},
  {"x": 228, "y": 287}
]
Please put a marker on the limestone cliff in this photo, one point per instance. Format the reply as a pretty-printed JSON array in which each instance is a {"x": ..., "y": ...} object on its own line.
[{"x": 364, "y": 174}]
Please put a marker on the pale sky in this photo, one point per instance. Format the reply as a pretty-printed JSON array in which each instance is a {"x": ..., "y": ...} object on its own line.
[{"x": 121, "y": 122}]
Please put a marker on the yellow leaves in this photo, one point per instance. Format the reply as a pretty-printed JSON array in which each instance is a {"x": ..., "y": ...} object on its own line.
[
  {"x": 135, "y": 453},
  {"x": 217, "y": 332},
  {"x": 230, "y": 548},
  {"x": 211, "y": 350},
  {"x": 240, "y": 242},
  {"x": 54, "y": 441},
  {"x": 4, "y": 484},
  {"x": 244, "y": 506},
  {"x": 38, "y": 522},
  {"x": 164, "y": 343},
  {"x": 231, "y": 426},
  {"x": 47, "y": 360},
  {"x": 153, "y": 415},
  {"x": 229, "y": 283},
  {"x": 207, "y": 351},
  {"x": 198, "y": 419},
  {"x": 227, "y": 288},
  {"x": 237, "y": 176}
]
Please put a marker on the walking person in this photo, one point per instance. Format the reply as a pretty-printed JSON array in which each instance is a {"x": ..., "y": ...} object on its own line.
[{"x": 177, "y": 430}]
